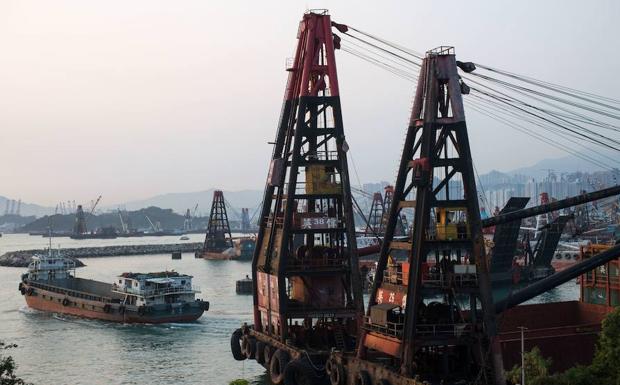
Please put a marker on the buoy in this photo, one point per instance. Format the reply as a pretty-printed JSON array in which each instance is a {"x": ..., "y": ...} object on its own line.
[{"x": 244, "y": 286}]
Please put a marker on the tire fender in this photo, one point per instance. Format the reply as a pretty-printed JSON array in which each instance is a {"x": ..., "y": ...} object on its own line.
[
  {"x": 235, "y": 345},
  {"x": 248, "y": 346},
  {"x": 267, "y": 353},
  {"x": 277, "y": 366},
  {"x": 299, "y": 368},
  {"x": 335, "y": 371},
  {"x": 260, "y": 352}
]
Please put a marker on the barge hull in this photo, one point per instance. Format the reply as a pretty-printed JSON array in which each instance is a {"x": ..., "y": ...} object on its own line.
[{"x": 49, "y": 301}]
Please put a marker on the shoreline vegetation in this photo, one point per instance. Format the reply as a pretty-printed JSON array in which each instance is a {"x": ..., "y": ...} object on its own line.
[
  {"x": 22, "y": 258},
  {"x": 604, "y": 368},
  {"x": 8, "y": 367}
]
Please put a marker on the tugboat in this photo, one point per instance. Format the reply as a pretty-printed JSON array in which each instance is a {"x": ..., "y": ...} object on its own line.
[{"x": 50, "y": 285}]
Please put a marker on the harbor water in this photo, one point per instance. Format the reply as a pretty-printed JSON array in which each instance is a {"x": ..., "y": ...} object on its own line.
[{"x": 56, "y": 349}]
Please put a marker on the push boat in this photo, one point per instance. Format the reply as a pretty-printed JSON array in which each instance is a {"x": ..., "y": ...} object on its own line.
[{"x": 50, "y": 285}]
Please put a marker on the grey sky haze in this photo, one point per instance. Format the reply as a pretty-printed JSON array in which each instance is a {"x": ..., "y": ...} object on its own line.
[{"x": 130, "y": 99}]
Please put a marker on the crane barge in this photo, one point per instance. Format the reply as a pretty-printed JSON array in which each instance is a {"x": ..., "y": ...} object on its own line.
[{"x": 421, "y": 326}]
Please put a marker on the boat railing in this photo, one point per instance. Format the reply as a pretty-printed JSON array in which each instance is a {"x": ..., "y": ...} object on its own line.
[
  {"x": 156, "y": 291},
  {"x": 443, "y": 330},
  {"x": 387, "y": 328}
]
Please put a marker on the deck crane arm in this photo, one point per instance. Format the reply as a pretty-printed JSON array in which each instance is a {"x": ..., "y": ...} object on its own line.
[
  {"x": 151, "y": 223},
  {"x": 557, "y": 279},
  {"x": 553, "y": 206},
  {"x": 195, "y": 211},
  {"x": 92, "y": 210},
  {"x": 123, "y": 224}
]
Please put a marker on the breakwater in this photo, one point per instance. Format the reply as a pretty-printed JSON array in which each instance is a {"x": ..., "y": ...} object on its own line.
[{"x": 21, "y": 258}]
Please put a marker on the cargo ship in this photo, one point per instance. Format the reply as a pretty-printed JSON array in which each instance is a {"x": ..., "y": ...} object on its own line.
[{"x": 50, "y": 285}]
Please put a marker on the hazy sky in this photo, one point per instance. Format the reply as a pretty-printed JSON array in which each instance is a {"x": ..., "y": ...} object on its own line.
[{"x": 130, "y": 99}]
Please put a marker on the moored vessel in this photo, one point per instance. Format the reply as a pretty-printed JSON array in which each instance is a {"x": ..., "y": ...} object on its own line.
[{"x": 51, "y": 285}]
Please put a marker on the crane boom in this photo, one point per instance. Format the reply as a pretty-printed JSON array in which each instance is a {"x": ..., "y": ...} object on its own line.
[{"x": 92, "y": 210}]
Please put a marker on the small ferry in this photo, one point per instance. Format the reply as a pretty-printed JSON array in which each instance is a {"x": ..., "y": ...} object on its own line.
[{"x": 51, "y": 285}]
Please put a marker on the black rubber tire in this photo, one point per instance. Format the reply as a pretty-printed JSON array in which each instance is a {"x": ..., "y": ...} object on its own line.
[
  {"x": 335, "y": 372},
  {"x": 248, "y": 346},
  {"x": 65, "y": 302},
  {"x": 235, "y": 345},
  {"x": 299, "y": 372},
  {"x": 107, "y": 308},
  {"x": 277, "y": 366},
  {"x": 141, "y": 310},
  {"x": 362, "y": 378},
  {"x": 267, "y": 353},
  {"x": 30, "y": 291},
  {"x": 260, "y": 352},
  {"x": 22, "y": 290}
]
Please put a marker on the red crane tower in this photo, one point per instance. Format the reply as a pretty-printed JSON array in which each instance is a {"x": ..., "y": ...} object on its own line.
[
  {"x": 307, "y": 292},
  {"x": 431, "y": 324}
]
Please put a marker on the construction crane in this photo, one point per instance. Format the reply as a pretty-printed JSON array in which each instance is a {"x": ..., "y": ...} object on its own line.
[
  {"x": 124, "y": 227},
  {"x": 195, "y": 211},
  {"x": 153, "y": 226},
  {"x": 94, "y": 205}
]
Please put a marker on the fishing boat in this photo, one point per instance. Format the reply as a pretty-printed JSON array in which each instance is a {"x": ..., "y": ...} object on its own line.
[{"x": 50, "y": 285}]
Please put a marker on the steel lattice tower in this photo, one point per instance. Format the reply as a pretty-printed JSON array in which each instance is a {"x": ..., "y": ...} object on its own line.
[
  {"x": 388, "y": 197},
  {"x": 375, "y": 218},
  {"x": 218, "y": 236},
  {"x": 80, "y": 221},
  {"x": 245, "y": 220},
  {"x": 433, "y": 324},
  {"x": 305, "y": 268}
]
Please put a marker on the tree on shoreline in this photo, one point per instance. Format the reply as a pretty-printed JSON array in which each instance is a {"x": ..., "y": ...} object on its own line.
[
  {"x": 603, "y": 370},
  {"x": 8, "y": 367}
]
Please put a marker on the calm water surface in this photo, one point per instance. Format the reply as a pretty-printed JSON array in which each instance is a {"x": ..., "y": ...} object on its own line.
[{"x": 57, "y": 349}]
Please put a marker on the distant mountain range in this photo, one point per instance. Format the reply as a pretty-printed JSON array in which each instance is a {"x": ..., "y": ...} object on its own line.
[
  {"x": 252, "y": 198},
  {"x": 565, "y": 164},
  {"x": 180, "y": 202}
]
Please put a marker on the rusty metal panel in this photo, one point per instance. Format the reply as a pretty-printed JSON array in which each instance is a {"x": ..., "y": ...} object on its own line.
[
  {"x": 383, "y": 343},
  {"x": 261, "y": 285}
]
